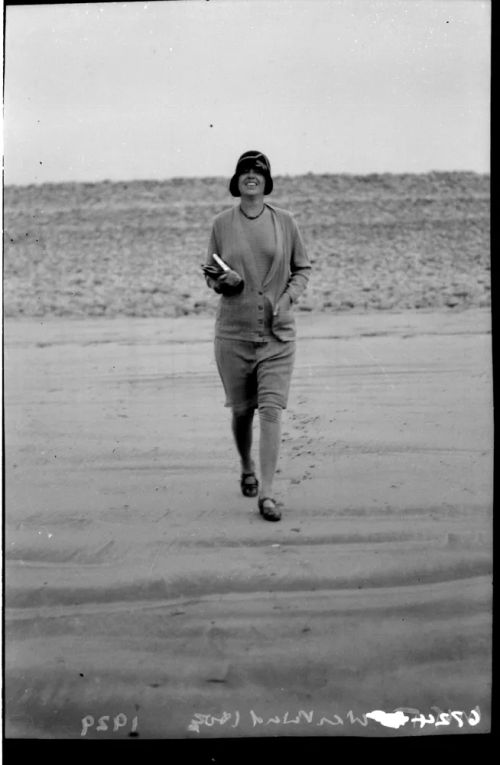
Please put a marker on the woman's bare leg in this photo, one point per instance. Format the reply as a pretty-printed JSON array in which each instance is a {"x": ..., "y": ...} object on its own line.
[
  {"x": 242, "y": 427},
  {"x": 269, "y": 446}
]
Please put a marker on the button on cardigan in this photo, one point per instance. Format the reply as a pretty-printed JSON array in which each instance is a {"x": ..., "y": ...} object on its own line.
[{"x": 239, "y": 317}]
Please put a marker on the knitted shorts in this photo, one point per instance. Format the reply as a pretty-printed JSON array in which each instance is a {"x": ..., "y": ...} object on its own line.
[{"x": 255, "y": 374}]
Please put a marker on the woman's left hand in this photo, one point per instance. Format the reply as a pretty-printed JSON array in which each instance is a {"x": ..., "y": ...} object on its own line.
[{"x": 283, "y": 304}]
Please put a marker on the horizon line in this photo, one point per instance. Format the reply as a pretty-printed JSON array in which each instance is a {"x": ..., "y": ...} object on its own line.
[{"x": 109, "y": 181}]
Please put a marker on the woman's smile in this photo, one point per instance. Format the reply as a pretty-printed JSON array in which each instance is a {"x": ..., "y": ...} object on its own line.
[{"x": 251, "y": 181}]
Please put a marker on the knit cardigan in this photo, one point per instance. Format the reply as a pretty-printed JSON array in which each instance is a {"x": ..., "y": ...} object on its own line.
[{"x": 241, "y": 317}]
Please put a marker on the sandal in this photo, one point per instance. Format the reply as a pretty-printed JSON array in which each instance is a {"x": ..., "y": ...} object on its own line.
[
  {"x": 249, "y": 484},
  {"x": 269, "y": 513}
]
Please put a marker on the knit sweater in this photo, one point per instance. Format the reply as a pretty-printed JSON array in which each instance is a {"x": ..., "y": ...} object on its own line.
[
  {"x": 261, "y": 237},
  {"x": 240, "y": 317}
]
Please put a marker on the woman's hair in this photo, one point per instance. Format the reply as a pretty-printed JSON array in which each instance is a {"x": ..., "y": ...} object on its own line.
[{"x": 260, "y": 162}]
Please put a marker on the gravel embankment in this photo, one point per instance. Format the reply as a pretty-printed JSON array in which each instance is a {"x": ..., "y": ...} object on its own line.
[{"x": 377, "y": 242}]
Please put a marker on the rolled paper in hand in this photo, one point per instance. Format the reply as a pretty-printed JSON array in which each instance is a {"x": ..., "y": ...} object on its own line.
[{"x": 220, "y": 262}]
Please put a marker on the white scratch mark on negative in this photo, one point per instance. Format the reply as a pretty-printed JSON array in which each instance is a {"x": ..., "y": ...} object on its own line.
[
  {"x": 153, "y": 562},
  {"x": 384, "y": 371},
  {"x": 388, "y": 719}
]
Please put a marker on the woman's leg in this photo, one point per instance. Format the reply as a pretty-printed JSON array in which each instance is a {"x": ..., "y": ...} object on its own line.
[
  {"x": 269, "y": 446},
  {"x": 242, "y": 426},
  {"x": 273, "y": 373}
]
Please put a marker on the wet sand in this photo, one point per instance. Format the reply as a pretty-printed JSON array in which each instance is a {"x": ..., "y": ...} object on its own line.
[{"x": 142, "y": 586}]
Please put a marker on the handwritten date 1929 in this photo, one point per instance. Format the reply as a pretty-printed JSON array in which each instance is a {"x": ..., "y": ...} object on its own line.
[{"x": 108, "y": 723}]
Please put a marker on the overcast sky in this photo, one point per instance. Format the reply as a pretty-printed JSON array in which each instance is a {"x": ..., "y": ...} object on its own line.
[{"x": 153, "y": 90}]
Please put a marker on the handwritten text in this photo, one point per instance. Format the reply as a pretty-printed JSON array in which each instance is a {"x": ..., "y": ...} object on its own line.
[{"x": 396, "y": 719}]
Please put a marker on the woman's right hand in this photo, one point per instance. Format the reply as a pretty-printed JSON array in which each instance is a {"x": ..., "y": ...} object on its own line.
[
  {"x": 229, "y": 284},
  {"x": 212, "y": 283},
  {"x": 229, "y": 278}
]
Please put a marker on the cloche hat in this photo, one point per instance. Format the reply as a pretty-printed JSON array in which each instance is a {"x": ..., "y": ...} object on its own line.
[{"x": 252, "y": 159}]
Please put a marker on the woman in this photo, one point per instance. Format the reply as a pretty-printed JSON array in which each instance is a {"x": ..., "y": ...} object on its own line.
[{"x": 255, "y": 325}]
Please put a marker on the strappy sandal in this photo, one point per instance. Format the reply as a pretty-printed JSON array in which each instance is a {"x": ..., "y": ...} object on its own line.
[
  {"x": 249, "y": 484},
  {"x": 269, "y": 513}
]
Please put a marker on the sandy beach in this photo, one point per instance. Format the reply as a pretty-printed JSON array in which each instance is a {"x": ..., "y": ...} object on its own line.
[{"x": 143, "y": 589}]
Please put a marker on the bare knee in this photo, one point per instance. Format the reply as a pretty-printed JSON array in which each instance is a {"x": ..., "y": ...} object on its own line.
[
  {"x": 270, "y": 413},
  {"x": 243, "y": 415}
]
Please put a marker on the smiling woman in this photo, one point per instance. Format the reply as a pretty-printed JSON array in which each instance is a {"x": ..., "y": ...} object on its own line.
[{"x": 255, "y": 325}]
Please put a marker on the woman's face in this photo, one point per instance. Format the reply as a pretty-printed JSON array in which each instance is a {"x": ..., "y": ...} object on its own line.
[{"x": 251, "y": 182}]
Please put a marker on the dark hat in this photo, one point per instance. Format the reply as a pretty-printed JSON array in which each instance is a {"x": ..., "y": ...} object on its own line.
[{"x": 252, "y": 159}]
